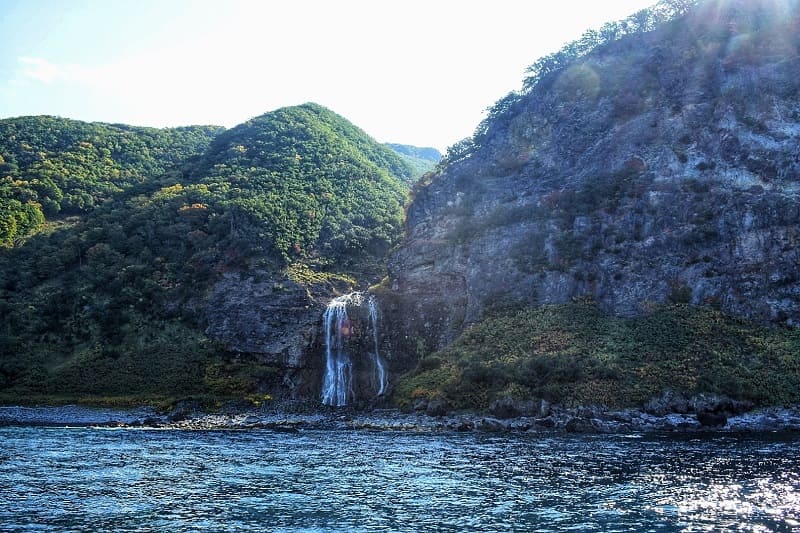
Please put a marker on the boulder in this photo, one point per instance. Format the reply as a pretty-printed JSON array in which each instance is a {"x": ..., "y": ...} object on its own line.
[
  {"x": 711, "y": 419},
  {"x": 437, "y": 407},
  {"x": 491, "y": 425}
]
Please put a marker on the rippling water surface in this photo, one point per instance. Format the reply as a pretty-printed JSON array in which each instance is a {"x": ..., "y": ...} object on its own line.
[{"x": 125, "y": 479}]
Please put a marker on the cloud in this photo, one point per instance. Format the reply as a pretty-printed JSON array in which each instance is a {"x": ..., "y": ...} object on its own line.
[{"x": 38, "y": 69}]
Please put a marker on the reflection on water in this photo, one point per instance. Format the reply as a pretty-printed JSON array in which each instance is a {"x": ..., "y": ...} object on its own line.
[{"x": 126, "y": 479}]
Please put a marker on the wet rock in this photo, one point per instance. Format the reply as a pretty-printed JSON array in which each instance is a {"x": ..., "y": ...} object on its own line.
[
  {"x": 184, "y": 410},
  {"x": 582, "y": 425},
  {"x": 513, "y": 408},
  {"x": 623, "y": 417},
  {"x": 463, "y": 424},
  {"x": 521, "y": 424},
  {"x": 544, "y": 423},
  {"x": 668, "y": 402},
  {"x": 679, "y": 422},
  {"x": 504, "y": 408},
  {"x": 491, "y": 425},
  {"x": 712, "y": 419},
  {"x": 437, "y": 407},
  {"x": 769, "y": 420},
  {"x": 420, "y": 404},
  {"x": 283, "y": 428},
  {"x": 152, "y": 422},
  {"x": 251, "y": 420},
  {"x": 544, "y": 408},
  {"x": 715, "y": 403}
]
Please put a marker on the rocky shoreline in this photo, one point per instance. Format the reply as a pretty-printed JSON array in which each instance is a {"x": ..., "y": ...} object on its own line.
[{"x": 299, "y": 417}]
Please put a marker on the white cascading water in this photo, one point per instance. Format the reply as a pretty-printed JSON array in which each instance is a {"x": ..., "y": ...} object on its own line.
[
  {"x": 337, "y": 385},
  {"x": 380, "y": 367}
]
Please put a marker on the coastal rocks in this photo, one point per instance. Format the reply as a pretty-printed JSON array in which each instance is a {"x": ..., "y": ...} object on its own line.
[
  {"x": 182, "y": 411},
  {"x": 668, "y": 402},
  {"x": 514, "y": 408},
  {"x": 773, "y": 419},
  {"x": 711, "y": 419},
  {"x": 72, "y": 415},
  {"x": 676, "y": 402},
  {"x": 711, "y": 410},
  {"x": 559, "y": 421},
  {"x": 491, "y": 424}
]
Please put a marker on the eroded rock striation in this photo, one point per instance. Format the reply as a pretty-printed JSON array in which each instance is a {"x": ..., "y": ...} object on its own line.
[{"x": 273, "y": 319}]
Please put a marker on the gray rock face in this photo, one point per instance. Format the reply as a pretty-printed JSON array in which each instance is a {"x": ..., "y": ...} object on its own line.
[
  {"x": 270, "y": 319},
  {"x": 664, "y": 167},
  {"x": 274, "y": 320}
]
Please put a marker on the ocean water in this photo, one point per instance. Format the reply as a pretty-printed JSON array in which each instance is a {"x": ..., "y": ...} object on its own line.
[{"x": 86, "y": 479}]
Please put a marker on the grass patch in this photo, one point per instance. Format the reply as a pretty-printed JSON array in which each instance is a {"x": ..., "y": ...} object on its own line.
[
  {"x": 303, "y": 274},
  {"x": 574, "y": 354}
]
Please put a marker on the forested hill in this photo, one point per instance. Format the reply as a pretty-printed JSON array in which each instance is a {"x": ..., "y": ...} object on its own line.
[
  {"x": 116, "y": 302},
  {"x": 422, "y": 159},
  {"x": 304, "y": 182},
  {"x": 53, "y": 167}
]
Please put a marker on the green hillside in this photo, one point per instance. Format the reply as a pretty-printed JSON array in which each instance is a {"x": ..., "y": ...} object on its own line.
[
  {"x": 422, "y": 160},
  {"x": 112, "y": 304},
  {"x": 53, "y": 167},
  {"x": 304, "y": 183}
]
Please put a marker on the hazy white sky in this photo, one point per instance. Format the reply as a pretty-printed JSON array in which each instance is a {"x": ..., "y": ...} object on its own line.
[{"x": 412, "y": 71}]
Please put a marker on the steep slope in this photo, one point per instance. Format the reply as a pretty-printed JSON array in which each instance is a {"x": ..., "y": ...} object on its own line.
[
  {"x": 209, "y": 280},
  {"x": 51, "y": 167},
  {"x": 660, "y": 168}
]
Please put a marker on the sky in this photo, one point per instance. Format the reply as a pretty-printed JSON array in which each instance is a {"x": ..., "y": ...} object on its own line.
[{"x": 416, "y": 72}]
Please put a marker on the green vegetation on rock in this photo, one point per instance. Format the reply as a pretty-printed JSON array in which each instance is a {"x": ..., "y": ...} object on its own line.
[{"x": 576, "y": 355}]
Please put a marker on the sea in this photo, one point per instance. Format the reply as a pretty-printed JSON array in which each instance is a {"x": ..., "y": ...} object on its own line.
[{"x": 136, "y": 479}]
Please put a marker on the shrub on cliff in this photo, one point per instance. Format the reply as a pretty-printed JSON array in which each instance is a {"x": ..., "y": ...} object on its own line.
[{"x": 574, "y": 354}]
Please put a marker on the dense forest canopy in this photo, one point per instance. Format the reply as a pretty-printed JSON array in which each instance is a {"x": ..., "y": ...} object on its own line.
[
  {"x": 52, "y": 167},
  {"x": 304, "y": 182}
]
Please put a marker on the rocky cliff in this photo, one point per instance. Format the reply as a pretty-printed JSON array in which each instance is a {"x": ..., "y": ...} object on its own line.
[{"x": 660, "y": 168}]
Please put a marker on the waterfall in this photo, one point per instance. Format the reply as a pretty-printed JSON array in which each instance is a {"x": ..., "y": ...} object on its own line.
[
  {"x": 380, "y": 367},
  {"x": 338, "y": 380},
  {"x": 341, "y": 336}
]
